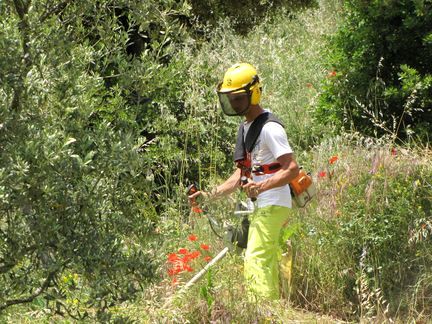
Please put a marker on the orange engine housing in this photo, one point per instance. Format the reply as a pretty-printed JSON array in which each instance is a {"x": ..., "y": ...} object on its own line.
[{"x": 301, "y": 183}]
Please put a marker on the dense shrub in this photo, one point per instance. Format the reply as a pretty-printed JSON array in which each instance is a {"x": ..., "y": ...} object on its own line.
[
  {"x": 73, "y": 189},
  {"x": 382, "y": 62}
]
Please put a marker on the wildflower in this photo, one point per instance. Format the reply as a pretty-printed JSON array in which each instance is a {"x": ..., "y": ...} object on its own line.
[
  {"x": 333, "y": 159},
  {"x": 172, "y": 257},
  {"x": 322, "y": 174},
  {"x": 182, "y": 251},
  {"x": 331, "y": 74},
  {"x": 204, "y": 246},
  {"x": 197, "y": 210},
  {"x": 195, "y": 254},
  {"x": 186, "y": 258},
  {"x": 207, "y": 258},
  {"x": 173, "y": 271},
  {"x": 393, "y": 151},
  {"x": 187, "y": 267},
  {"x": 192, "y": 237}
]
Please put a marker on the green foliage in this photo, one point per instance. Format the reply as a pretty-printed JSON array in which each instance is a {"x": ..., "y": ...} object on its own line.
[
  {"x": 76, "y": 192},
  {"x": 243, "y": 15},
  {"x": 383, "y": 56},
  {"x": 363, "y": 247}
]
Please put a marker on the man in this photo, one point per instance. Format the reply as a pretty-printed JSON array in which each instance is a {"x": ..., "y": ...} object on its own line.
[{"x": 270, "y": 164}]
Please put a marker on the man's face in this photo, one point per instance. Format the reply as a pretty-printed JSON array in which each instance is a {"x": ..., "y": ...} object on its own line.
[
  {"x": 239, "y": 102},
  {"x": 235, "y": 103}
]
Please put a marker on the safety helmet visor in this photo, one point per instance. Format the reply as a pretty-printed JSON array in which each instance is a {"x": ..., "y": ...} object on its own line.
[{"x": 234, "y": 103}]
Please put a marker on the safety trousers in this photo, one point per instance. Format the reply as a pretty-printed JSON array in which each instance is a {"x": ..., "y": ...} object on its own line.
[{"x": 261, "y": 268}]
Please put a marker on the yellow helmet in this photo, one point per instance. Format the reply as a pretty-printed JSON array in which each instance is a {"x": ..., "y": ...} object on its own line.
[{"x": 239, "y": 89}]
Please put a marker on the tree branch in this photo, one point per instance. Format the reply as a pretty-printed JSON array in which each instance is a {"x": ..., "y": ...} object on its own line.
[
  {"x": 21, "y": 8},
  {"x": 54, "y": 10},
  {"x": 5, "y": 266},
  {"x": 28, "y": 299}
]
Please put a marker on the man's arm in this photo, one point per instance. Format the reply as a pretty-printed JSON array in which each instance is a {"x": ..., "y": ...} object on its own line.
[
  {"x": 288, "y": 171},
  {"x": 229, "y": 186}
]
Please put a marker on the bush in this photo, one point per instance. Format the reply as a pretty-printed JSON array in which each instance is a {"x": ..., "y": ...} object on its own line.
[
  {"x": 382, "y": 60},
  {"x": 77, "y": 207}
]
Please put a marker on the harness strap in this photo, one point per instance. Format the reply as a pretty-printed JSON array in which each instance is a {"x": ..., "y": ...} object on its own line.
[
  {"x": 244, "y": 147},
  {"x": 247, "y": 169},
  {"x": 266, "y": 168},
  {"x": 246, "y": 166}
]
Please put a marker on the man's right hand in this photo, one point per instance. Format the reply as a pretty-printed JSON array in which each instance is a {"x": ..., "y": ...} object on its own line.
[{"x": 193, "y": 198}]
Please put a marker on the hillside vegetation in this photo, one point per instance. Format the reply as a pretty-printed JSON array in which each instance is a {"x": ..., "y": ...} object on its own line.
[{"x": 109, "y": 112}]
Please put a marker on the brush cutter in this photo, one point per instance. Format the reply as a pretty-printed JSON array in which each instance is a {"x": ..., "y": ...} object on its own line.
[{"x": 235, "y": 236}]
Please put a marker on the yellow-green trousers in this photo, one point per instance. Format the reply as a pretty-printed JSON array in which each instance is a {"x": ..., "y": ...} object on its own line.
[{"x": 261, "y": 268}]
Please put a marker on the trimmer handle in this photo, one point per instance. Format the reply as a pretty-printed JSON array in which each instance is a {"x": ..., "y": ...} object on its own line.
[{"x": 244, "y": 180}]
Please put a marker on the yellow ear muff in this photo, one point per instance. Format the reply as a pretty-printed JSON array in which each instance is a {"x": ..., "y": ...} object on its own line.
[{"x": 256, "y": 94}]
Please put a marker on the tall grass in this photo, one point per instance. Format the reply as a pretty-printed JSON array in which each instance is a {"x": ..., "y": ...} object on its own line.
[
  {"x": 357, "y": 250},
  {"x": 360, "y": 249}
]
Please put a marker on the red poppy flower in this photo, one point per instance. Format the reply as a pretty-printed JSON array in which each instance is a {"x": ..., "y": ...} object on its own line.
[
  {"x": 204, "y": 246},
  {"x": 207, "y": 258},
  {"x": 331, "y": 74},
  {"x": 187, "y": 268},
  {"x": 172, "y": 257},
  {"x": 183, "y": 251},
  {"x": 197, "y": 210},
  {"x": 322, "y": 174},
  {"x": 192, "y": 237},
  {"x": 195, "y": 254},
  {"x": 185, "y": 259},
  {"x": 393, "y": 151},
  {"x": 175, "y": 270},
  {"x": 333, "y": 159}
]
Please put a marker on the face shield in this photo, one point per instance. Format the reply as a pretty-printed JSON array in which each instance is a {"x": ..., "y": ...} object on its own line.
[{"x": 236, "y": 102}]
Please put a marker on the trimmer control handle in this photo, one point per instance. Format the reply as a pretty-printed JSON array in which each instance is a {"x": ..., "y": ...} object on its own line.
[{"x": 244, "y": 180}]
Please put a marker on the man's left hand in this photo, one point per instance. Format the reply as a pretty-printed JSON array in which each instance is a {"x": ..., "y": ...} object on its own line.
[{"x": 252, "y": 189}]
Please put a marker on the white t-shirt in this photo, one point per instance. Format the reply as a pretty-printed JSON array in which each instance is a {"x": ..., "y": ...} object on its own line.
[{"x": 271, "y": 144}]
